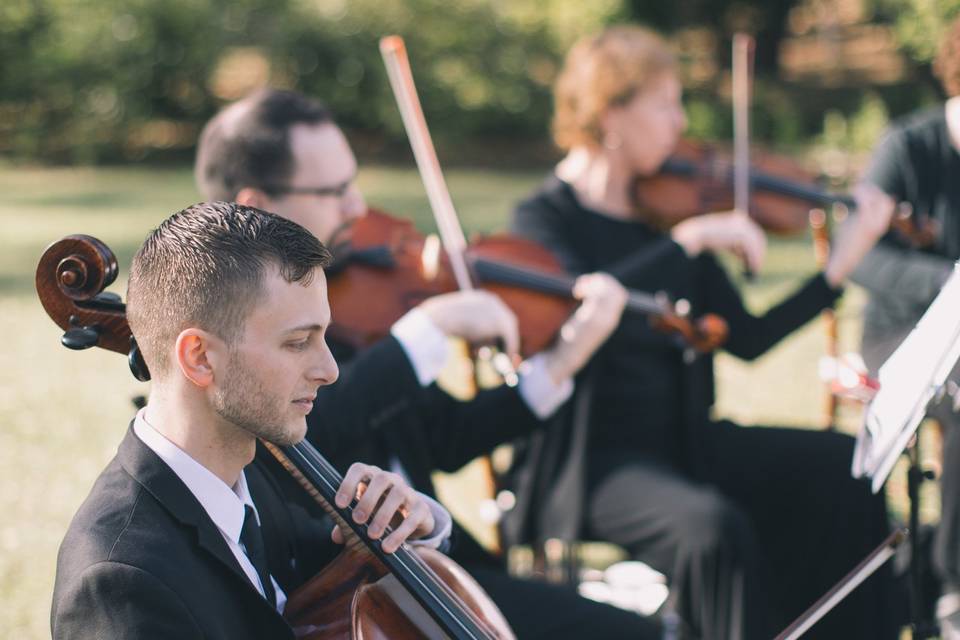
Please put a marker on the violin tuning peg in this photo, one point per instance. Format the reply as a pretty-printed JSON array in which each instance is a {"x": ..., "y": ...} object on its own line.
[{"x": 79, "y": 338}]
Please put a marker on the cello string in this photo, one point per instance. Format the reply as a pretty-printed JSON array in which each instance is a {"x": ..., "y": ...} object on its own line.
[
  {"x": 427, "y": 580},
  {"x": 336, "y": 478}
]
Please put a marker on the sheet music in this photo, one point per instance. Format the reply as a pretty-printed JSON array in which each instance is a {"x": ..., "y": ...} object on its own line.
[{"x": 909, "y": 379}]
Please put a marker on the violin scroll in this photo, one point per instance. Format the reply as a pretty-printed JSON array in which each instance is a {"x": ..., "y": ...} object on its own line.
[
  {"x": 71, "y": 278},
  {"x": 704, "y": 334}
]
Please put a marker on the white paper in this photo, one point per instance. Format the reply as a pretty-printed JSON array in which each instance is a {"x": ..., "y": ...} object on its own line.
[{"x": 909, "y": 379}]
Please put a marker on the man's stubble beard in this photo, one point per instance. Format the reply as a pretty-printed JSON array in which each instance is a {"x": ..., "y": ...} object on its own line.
[{"x": 242, "y": 401}]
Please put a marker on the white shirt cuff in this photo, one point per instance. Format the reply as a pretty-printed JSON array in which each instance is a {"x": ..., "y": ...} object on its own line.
[
  {"x": 442, "y": 526},
  {"x": 423, "y": 342},
  {"x": 538, "y": 390}
]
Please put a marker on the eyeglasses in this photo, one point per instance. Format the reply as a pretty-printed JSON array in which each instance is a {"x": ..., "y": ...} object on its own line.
[{"x": 337, "y": 190}]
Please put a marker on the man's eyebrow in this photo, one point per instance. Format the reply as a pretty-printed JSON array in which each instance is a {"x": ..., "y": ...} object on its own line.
[{"x": 306, "y": 327}]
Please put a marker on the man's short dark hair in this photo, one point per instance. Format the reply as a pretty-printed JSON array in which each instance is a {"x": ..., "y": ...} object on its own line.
[
  {"x": 247, "y": 144},
  {"x": 204, "y": 267}
]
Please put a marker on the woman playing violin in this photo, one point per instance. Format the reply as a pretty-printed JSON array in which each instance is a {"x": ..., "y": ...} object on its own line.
[{"x": 750, "y": 525}]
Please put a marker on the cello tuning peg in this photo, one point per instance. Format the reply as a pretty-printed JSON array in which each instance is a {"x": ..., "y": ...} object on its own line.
[
  {"x": 79, "y": 338},
  {"x": 108, "y": 296},
  {"x": 138, "y": 366}
]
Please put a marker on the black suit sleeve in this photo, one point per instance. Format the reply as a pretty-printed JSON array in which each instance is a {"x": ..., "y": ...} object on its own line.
[
  {"x": 118, "y": 601},
  {"x": 751, "y": 336},
  {"x": 459, "y": 431},
  {"x": 378, "y": 390},
  {"x": 374, "y": 387}
]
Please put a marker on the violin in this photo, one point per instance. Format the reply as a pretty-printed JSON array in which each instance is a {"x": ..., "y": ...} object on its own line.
[
  {"x": 364, "y": 592},
  {"x": 383, "y": 267},
  {"x": 698, "y": 178}
]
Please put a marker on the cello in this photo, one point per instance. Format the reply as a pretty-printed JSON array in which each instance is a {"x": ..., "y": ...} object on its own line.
[{"x": 364, "y": 592}]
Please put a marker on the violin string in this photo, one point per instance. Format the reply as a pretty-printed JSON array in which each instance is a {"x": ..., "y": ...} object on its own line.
[
  {"x": 638, "y": 301},
  {"x": 409, "y": 561}
]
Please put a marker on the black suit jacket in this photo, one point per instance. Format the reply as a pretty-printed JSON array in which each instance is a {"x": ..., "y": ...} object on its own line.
[{"x": 142, "y": 559}]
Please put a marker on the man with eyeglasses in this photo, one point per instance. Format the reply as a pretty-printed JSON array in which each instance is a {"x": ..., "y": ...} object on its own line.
[{"x": 282, "y": 152}]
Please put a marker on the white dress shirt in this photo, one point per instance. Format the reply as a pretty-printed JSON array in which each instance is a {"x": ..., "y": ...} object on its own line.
[
  {"x": 226, "y": 505},
  {"x": 426, "y": 347}
]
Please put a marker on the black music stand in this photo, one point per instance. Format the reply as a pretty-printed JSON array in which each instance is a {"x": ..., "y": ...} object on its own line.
[{"x": 910, "y": 378}]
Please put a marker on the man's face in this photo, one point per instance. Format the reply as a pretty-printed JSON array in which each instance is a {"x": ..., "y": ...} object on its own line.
[
  {"x": 322, "y": 159},
  {"x": 273, "y": 372}
]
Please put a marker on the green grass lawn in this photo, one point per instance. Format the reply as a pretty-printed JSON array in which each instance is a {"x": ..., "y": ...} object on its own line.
[{"x": 63, "y": 413}]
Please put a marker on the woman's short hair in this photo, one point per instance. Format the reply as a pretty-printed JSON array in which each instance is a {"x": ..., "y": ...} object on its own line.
[{"x": 603, "y": 71}]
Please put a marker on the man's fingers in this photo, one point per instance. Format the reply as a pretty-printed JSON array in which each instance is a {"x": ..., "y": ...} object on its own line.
[
  {"x": 337, "y": 535},
  {"x": 509, "y": 331},
  {"x": 356, "y": 474},
  {"x": 391, "y": 506},
  {"x": 419, "y": 518},
  {"x": 378, "y": 486}
]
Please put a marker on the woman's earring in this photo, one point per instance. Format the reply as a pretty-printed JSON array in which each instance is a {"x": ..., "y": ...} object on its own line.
[{"x": 612, "y": 141}]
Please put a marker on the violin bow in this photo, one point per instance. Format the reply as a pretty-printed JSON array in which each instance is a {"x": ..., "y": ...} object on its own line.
[
  {"x": 742, "y": 58},
  {"x": 394, "y": 53},
  {"x": 395, "y": 58}
]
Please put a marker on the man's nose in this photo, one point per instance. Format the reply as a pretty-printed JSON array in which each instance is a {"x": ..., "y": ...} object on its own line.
[
  {"x": 326, "y": 370},
  {"x": 353, "y": 204}
]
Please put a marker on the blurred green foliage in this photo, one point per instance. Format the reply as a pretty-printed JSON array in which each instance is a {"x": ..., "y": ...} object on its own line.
[
  {"x": 919, "y": 24},
  {"x": 104, "y": 81}
]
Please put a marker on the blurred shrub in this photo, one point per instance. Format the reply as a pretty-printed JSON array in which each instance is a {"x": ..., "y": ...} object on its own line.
[{"x": 87, "y": 81}]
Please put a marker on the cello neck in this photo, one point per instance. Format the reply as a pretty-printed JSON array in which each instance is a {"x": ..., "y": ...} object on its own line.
[{"x": 321, "y": 480}]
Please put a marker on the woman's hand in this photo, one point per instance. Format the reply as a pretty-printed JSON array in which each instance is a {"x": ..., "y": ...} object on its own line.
[
  {"x": 383, "y": 498},
  {"x": 731, "y": 231},
  {"x": 602, "y": 301}
]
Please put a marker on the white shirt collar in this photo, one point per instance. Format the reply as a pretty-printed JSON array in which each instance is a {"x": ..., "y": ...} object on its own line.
[{"x": 224, "y": 505}]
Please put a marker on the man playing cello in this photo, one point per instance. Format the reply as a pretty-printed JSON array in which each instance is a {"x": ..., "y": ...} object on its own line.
[{"x": 181, "y": 536}]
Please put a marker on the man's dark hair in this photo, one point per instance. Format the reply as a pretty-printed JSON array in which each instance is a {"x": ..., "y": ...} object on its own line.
[
  {"x": 247, "y": 144},
  {"x": 204, "y": 267}
]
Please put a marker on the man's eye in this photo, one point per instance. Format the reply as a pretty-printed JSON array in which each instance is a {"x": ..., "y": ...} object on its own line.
[{"x": 300, "y": 345}]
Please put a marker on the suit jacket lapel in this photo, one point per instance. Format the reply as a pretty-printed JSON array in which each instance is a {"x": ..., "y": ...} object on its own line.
[{"x": 155, "y": 476}]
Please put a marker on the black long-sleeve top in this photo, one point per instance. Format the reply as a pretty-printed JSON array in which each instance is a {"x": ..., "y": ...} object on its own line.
[{"x": 644, "y": 389}]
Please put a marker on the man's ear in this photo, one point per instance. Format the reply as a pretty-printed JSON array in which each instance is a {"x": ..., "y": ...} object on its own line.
[
  {"x": 198, "y": 353},
  {"x": 251, "y": 197}
]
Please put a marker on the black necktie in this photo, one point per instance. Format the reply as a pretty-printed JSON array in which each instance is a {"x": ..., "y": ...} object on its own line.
[{"x": 252, "y": 541}]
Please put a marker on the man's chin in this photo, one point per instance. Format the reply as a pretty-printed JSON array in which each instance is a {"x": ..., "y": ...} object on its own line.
[{"x": 292, "y": 435}]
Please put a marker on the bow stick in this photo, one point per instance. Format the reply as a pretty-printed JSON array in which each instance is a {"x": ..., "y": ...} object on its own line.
[
  {"x": 742, "y": 56},
  {"x": 394, "y": 53}
]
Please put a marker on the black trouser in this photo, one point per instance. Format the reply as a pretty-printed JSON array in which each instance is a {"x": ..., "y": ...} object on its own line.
[
  {"x": 537, "y": 610},
  {"x": 773, "y": 521}
]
